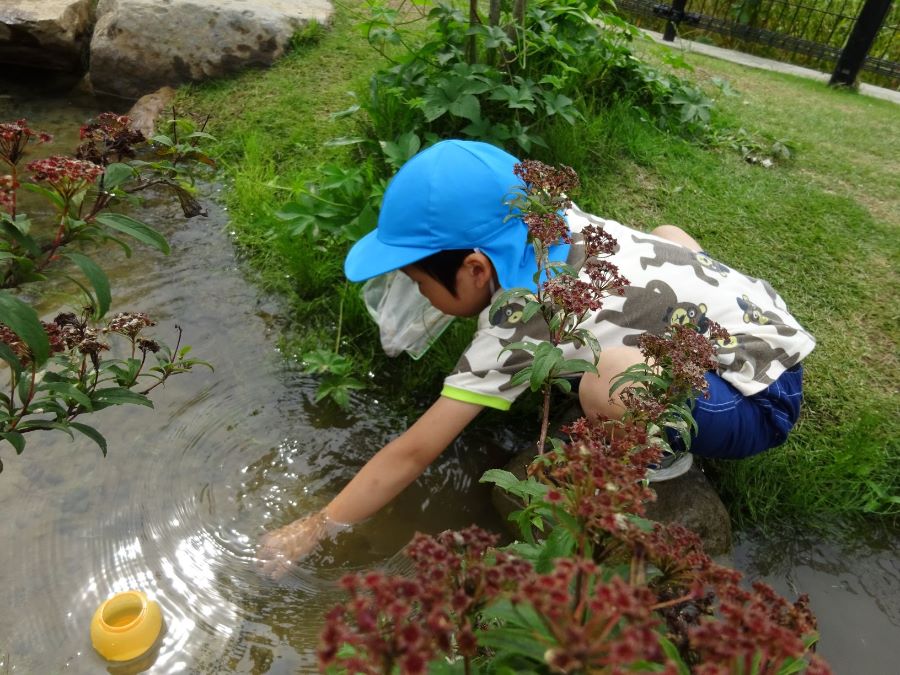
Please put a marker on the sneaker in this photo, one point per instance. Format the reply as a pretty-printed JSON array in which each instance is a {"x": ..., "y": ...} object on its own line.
[{"x": 671, "y": 466}]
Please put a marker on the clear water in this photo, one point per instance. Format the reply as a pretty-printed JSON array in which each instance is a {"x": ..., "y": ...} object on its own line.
[{"x": 187, "y": 489}]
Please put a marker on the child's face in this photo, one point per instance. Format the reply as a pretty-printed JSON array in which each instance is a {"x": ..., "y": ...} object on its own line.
[{"x": 473, "y": 286}]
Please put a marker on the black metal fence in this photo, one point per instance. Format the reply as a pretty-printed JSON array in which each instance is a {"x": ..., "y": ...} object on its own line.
[{"x": 805, "y": 32}]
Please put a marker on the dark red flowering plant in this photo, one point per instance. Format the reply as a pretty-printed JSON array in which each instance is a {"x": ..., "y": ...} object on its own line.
[
  {"x": 602, "y": 589},
  {"x": 61, "y": 369},
  {"x": 560, "y": 295}
]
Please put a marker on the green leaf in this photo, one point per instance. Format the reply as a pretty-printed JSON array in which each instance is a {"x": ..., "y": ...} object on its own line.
[
  {"x": 136, "y": 229},
  {"x": 516, "y": 640},
  {"x": 24, "y": 322},
  {"x": 500, "y": 477},
  {"x": 98, "y": 280},
  {"x": 560, "y": 544},
  {"x": 27, "y": 243},
  {"x": 466, "y": 106},
  {"x": 546, "y": 360},
  {"x": 402, "y": 149},
  {"x": 15, "y": 439},
  {"x": 119, "y": 396},
  {"x": 52, "y": 195},
  {"x": 46, "y": 425},
  {"x": 116, "y": 174},
  {"x": 577, "y": 366},
  {"x": 68, "y": 390},
  {"x": 8, "y": 355},
  {"x": 91, "y": 433}
]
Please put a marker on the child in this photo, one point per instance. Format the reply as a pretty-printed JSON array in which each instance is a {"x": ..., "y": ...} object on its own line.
[{"x": 445, "y": 223}]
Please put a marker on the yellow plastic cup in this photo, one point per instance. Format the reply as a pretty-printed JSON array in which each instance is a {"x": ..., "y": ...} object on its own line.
[{"x": 126, "y": 626}]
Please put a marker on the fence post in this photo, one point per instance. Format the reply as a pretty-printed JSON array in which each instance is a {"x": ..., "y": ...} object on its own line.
[
  {"x": 675, "y": 15},
  {"x": 866, "y": 28}
]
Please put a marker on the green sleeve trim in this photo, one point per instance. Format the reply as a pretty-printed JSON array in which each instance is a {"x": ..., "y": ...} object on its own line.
[{"x": 478, "y": 399}]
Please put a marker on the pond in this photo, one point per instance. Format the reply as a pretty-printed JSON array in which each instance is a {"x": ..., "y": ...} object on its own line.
[{"x": 188, "y": 487}]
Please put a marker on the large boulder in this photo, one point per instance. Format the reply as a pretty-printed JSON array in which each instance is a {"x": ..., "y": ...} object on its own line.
[
  {"x": 141, "y": 45},
  {"x": 688, "y": 499},
  {"x": 51, "y": 34}
]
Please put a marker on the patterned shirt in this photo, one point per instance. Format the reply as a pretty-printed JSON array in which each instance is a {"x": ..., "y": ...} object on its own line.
[{"x": 669, "y": 284}]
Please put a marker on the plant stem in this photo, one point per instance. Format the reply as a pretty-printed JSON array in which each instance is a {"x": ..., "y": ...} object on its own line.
[
  {"x": 340, "y": 322},
  {"x": 545, "y": 418}
]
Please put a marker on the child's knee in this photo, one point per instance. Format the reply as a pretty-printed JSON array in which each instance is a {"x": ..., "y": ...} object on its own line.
[
  {"x": 675, "y": 234},
  {"x": 594, "y": 390}
]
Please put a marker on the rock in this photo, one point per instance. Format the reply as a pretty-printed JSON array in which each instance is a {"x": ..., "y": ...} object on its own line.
[
  {"x": 51, "y": 34},
  {"x": 693, "y": 502},
  {"x": 147, "y": 109},
  {"x": 141, "y": 45},
  {"x": 689, "y": 500}
]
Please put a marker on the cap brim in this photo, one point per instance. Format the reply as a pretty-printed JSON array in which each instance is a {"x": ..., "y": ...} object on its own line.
[{"x": 370, "y": 257}]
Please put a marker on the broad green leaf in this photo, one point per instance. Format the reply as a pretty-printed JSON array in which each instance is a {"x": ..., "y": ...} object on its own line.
[
  {"x": 119, "y": 396},
  {"x": 52, "y": 195},
  {"x": 69, "y": 390},
  {"x": 98, "y": 280},
  {"x": 466, "y": 106},
  {"x": 577, "y": 366},
  {"x": 46, "y": 425},
  {"x": 15, "y": 439},
  {"x": 27, "y": 243},
  {"x": 516, "y": 640},
  {"x": 162, "y": 139},
  {"x": 500, "y": 477},
  {"x": 116, "y": 174},
  {"x": 8, "y": 355},
  {"x": 136, "y": 229},
  {"x": 560, "y": 544},
  {"x": 24, "y": 322},
  {"x": 91, "y": 433}
]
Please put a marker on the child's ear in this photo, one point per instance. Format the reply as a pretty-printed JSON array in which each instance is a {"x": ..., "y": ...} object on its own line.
[{"x": 479, "y": 266}]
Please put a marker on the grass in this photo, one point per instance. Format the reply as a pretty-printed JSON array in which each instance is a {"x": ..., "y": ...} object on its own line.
[{"x": 821, "y": 227}]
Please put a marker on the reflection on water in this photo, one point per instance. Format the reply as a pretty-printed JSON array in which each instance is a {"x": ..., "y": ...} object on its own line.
[{"x": 187, "y": 488}]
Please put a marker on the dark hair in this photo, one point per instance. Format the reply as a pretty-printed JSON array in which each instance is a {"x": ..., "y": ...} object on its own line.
[{"x": 444, "y": 265}]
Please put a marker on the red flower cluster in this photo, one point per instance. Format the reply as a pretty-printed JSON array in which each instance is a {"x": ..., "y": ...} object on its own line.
[
  {"x": 573, "y": 295},
  {"x": 407, "y": 622},
  {"x": 14, "y": 136},
  {"x": 598, "y": 242},
  {"x": 594, "y": 624},
  {"x": 756, "y": 630},
  {"x": 684, "y": 353},
  {"x": 598, "y": 478},
  {"x": 78, "y": 335},
  {"x": 66, "y": 175},
  {"x": 108, "y": 136},
  {"x": 539, "y": 177},
  {"x": 22, "y": 351},
  {"x": 59, "y": 170},
  {"x": 129, "y": 324},
  {"x": 547, "y": 228}
]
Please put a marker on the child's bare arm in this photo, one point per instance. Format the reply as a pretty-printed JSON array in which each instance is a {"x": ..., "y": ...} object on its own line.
[{"x": 382, "y": 478}]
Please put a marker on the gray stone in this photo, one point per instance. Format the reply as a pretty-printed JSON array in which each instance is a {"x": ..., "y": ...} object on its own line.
[
  {"x": 141, "y": 45},
  {"x": 693, "y": 502},
  {"x": 689, "y": 500},
  {"x": 50, "y": 34}
]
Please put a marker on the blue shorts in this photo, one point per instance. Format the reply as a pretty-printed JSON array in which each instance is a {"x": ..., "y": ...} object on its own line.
[{"x": 731, "y": 425}]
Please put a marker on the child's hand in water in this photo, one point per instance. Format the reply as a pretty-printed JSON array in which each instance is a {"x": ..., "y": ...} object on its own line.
[{"x": 281, "y": 548}]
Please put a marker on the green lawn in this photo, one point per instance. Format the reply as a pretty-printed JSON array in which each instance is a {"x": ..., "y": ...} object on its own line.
[{"x": 822, "y": 227}]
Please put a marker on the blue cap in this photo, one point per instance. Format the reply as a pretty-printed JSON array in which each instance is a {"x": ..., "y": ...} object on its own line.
[{"x": 450, "y": 196}]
